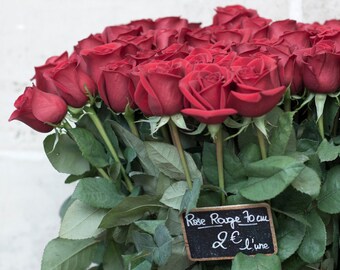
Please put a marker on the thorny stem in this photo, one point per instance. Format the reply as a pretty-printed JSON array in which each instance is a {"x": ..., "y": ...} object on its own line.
[
  {"x": 219, "y": 157},
  {"x": 321, "y": 127},
  {"x": 178, "y": 144},
  {"x": 262, "y": 143},
  {"x": 92, "y": 114}
]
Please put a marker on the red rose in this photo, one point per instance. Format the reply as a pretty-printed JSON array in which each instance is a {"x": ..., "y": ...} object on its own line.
[
  {"x": 232, "y": 16},
  {"x": 35, "y": 108},
  {"x": 112, "y": 33},
  {"x": 157, "y": 91},
  {"x": 41, "y": 82},
  {"x": 200, "y": 56},
  {"x": 206, "y": 91},
  {"x": 145, "y": 24},
  {"x": 321, "y": 68},
  {"x": 142, "y": 42},
  {"x": 278, "y": 28},
  {"x": 115, "y": 86},
  {"x": 330, "y": 34},
  {"x": 175, "y": 23},
  {"x": 289, "y": 70},
  {"x": 140, "y": 56},
  {"x": 258, "y": 88},
  {"x": 164, "y": 38},
  {"x": 295, "y": 40},
  {"x": 174, "y": 51},
  {"x": 199, "y": 37},
  {"x": 100, "y": 56},
  {"x": 70, "y": 82},
  {"x": 90, "y": 42}
]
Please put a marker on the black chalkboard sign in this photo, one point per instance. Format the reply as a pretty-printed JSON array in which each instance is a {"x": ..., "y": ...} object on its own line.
[{"x": 219, "y": 233}]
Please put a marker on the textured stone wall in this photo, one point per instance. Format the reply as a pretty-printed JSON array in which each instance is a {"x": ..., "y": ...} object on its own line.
[{"x": 31, "y": 192}]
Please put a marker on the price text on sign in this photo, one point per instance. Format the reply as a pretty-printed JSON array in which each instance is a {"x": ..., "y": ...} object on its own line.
[{"x": 219, "y": 233}]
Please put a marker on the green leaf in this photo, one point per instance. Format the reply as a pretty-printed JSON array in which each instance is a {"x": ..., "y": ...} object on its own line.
[
  {"x": 163, "y": 241},
  {"x": 66, "y": 204},
  {"x": 130, "y": 210},
  {"x": 145, "y": 265},
  {"x": 330, "y": 110},
  {"x": 313, "y": 245},
  {"x": 232, "y": 165},
  {"x": 308, "y": 182},
  {"x": 166, "y": 158},
  {"x": 173, "y": 195},
  {"x": 112, "y": 257},
  {"x": 320, "y": 100},
  {"x": 280, "y": 138},
  {"x": 64, "y": 254},
  {"x": 173, "y": 222},
  {"x": 327, "y": 151},
  {"x": 178, "y": 258},
  {"x": 289, "y": 235},
  {"x": 329, "y": 198},
  {"x": 98, "y": 192},
  {"x": 132, "y": 141},
  {"x": 90, "y": 147},
  {"x": 65, "y": 155},
  {"x": 293, "y": 263},
  {"x": 191, "y": 196},
  {"x": 145, "y": 243},
  {"x": 81, "y": 221},
  {"x": 179, "y": 121},
  {"x": 257, "y": 262},
  {"x": 136, "y": 262},
  {"x": 269, "y": 177},
  {"x": 149, "y": 226}
]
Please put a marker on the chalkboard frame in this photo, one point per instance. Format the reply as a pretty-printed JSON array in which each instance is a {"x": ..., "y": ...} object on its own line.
[{"x": 226, "y": 208}]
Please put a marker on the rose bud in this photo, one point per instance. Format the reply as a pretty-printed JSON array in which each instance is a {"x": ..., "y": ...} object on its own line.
[
  {"x": 206, "y": 91},
  {"x": 41, "y": 82},
  {"x": 36, "y": 108},
  {"x": 72, "y": 83},
  {"x": 321, "y": 68},
  {"x": 112, "y": 33},
  {"x": 115, "y": 86},
  {"x": 232, "y": 16},
  {"x": 100, "y": 56},
  {"x": 289, "y": 70},
  {"x": 157, "y": 92},
  {"x": 258, "y": 89}
]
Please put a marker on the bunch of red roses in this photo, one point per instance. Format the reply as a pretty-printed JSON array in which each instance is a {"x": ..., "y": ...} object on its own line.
[{"x": 241, "y": 64}]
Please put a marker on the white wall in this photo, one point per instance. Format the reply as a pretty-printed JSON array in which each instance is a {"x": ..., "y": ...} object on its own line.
[{"x": 31, "y": 192}]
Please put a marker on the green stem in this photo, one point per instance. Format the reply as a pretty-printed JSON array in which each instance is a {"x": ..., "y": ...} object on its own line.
[
  {"x": 165, "y": 134},
  {"x": 103, "y": 173},
  {"x": 219, "y": 157},
  {"x": 287, "y": 102},
  {"x": 178, "y": 144},
  {"x": 335, "y": 124},
  {"x": 321, "y": 127},
  {"x": 130, "y": 118},
  {"x": 92, "y": 114},
  {"x": 335, "y": 246},
  {"x": 262, "y": 143}
]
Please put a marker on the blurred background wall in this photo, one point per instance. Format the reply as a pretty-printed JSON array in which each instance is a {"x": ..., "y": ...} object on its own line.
[{"x": 31, "y": 191}]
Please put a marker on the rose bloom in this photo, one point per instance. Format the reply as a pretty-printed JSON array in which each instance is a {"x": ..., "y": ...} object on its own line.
[
  {"x": 71, "y": 83},
  {"x": 115, "y": 86},
  {"x": 258, "y": 89},
  {"x": 321, "y": 67},
  {"x": 41, "y": 82},
  {"x": 232, "y": 16},
  {"x": 36, "y": 108},
  {"x": 157, "y": 92},
  {"x": 206, "y": 90},
  {"x": 99, "y": 56}
]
